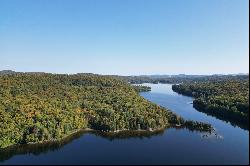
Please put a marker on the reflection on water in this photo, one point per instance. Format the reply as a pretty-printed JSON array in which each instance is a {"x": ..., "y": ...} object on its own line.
[
  {"x": 39, "y": 148},
  {"x": 160, "y": 90},
  {"x": 233, "y": 123},
  {"x": 229, "y": 145},
  {"x": 43, "y": 148}
]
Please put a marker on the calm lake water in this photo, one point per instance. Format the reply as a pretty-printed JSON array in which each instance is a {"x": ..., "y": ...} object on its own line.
[{"x": 172, "y": 146}]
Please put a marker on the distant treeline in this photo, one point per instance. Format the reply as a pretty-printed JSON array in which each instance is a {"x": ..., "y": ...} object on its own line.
[{"x": 180, "y": 78}]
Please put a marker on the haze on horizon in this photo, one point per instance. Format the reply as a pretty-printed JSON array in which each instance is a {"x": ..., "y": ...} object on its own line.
[{"x": 126, "y": 37}]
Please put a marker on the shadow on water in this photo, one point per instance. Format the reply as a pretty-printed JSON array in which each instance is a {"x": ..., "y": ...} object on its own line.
[
  {"x": 37, "y": 148},
  {"x": 232, "y": 122},
  {"x": 43, "y": 148}
]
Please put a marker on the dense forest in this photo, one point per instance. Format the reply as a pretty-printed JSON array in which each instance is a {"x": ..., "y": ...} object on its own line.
[
  {"x": 141, "y": 88},
  {"x": 39, "y": 107},
  {"x": 175, "y": 79},
  {"x": 223, "y": 96},
  {"x": 227, "y": 99}
]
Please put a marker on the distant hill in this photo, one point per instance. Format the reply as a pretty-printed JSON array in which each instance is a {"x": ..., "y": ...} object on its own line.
[
  {"x": 4, "y": 72},
  {"x": 155, "y": 76}
]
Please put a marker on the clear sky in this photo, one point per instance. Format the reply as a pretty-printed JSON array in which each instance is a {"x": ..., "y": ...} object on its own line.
[{"x": 127, "y": 37}]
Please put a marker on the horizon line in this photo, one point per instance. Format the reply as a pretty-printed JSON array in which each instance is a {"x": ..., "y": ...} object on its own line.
[{"x": 239, "y": 73}]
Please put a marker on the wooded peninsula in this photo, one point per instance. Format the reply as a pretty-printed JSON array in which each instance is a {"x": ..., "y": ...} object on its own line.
[{"x": 40, "y": 107}]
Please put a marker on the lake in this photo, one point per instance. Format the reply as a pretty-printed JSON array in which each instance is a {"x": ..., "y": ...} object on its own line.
[{"x": 172, "y": 146}]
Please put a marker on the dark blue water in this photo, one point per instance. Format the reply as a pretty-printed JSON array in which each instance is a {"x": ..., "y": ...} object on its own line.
[{"x": 172, "y": 146}]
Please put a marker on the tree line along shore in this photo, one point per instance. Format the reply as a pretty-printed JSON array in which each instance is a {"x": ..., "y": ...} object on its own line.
[{"x": 39, "y": 107}]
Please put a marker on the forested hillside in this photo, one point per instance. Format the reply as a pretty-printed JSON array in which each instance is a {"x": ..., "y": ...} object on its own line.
[
  {"x": 36, "y": 107},
  {"x": 228, "y": 99},
  {"x": 175, "y": 79}
]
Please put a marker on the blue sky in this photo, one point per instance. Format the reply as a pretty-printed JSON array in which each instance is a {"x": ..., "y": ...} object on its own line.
[{"x": 127, "y": 37}]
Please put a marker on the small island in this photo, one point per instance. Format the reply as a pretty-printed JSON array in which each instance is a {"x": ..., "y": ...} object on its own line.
[
  {"x": 42, "y": 107},
  {"x": 142, "y": 88}
]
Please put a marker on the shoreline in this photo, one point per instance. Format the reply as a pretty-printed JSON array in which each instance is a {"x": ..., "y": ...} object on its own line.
[
  {"x": 105, "y": 133},
  {"x": 86, "y": 130},
  {"x": 238, "y": 123},
  {"x": 115, "y": 132}
]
